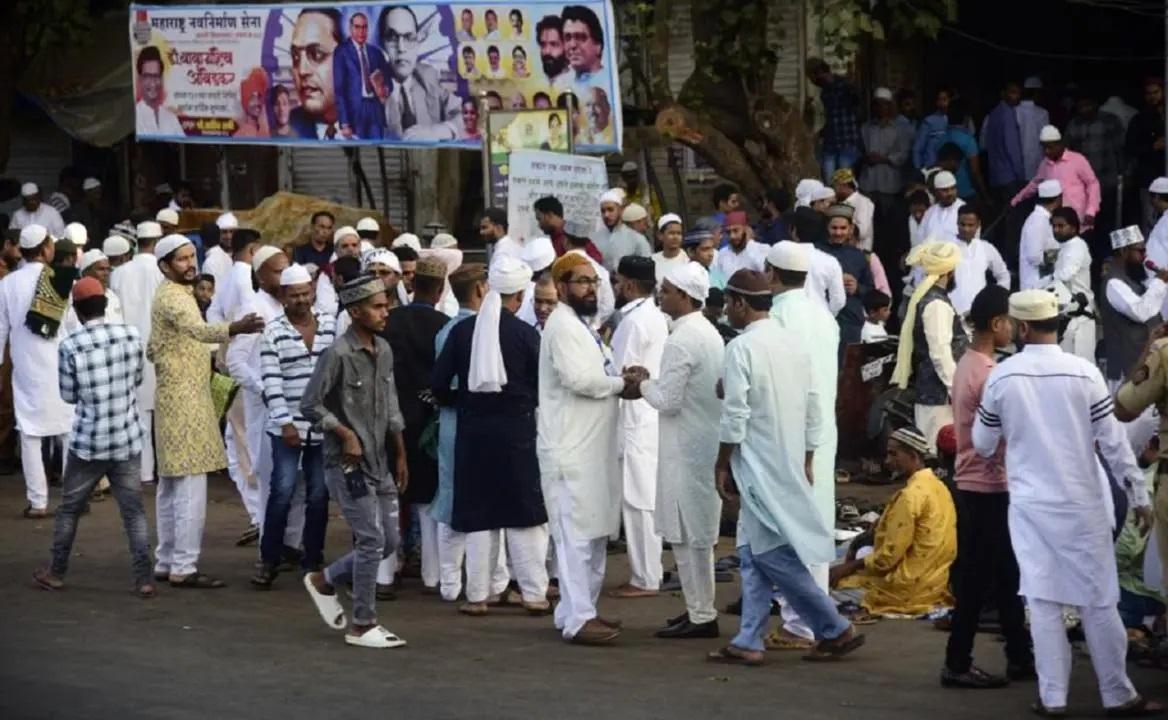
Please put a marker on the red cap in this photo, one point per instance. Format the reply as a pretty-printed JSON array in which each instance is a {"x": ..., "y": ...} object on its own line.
[
  {"x": 737, "y": 217},
  {"x": 947, "y": 440},
  {"x": 86, "y": 288}
]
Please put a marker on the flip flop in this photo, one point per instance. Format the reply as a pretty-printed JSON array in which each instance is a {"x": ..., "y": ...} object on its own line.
[
  {"x": 1140, "y": 707},
  {"x": 830, "y": 651},
  {"x": 375, "y": 637},
  {"x": 328, "y": 606},
  {"x": 198, "y": 581},
  {"x": 724, "y": 656}
]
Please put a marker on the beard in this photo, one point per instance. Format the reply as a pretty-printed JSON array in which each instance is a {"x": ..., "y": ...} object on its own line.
[
  {"x": 584, "y": 307},
  {"x": 1135, "y": 271},
  {"x": 553, "y": 66}
]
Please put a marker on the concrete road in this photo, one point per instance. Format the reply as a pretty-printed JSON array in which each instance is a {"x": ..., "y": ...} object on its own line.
[{"x": 95, "y": 651}]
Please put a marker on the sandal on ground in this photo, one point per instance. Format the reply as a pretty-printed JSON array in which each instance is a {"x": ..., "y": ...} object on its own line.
[
  {"x": 473, "y": 609},
  {"x": 1139, "y": 707},
  {"x": 47, "y": 580},
  {"x": 784, "y": 641},
  {"x": 146, "y": 591},
  {"x": 32, "y": 513},
  {"x": 328, "y": 606},
  {"x": 198, "y": 581},
  {"x": 731, "y": 655},
  {"x": 835, "y": 649},
  {"x": 1041, "y": 710},
  {"x": 375, "y": 637},
  {"x": 628, "y": 591}
]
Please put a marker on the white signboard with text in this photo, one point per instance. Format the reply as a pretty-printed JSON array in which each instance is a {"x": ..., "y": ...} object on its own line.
[{"x": 576, "y": 180}]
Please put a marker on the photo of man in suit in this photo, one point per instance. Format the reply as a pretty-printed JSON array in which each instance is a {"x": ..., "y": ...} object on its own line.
[
  {"x": 359, "y": 83},
  {"x": 315, "y": 38},
  {"x": 470, "y": 67},
  {"x": 417, "y": 107}
]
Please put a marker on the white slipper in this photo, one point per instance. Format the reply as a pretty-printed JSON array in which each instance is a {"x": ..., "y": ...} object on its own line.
[
  {"x": 375, "y": 637},
  {"x": 328, "y": 606}
]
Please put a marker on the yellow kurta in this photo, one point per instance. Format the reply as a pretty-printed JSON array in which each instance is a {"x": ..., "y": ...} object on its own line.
[
  {"x": 916, "y": 542},
  {"x": 186, "y": 426}
]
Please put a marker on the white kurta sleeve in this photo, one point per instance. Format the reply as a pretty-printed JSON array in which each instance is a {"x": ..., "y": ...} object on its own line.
[
  {"x": 240, "y": 353},
  {"x": 735, "y": 390},
  {"x": 815, "y": 420},
  {"x": 578, "y": 367},
  {"x": 605, "y": 298},
  {"x": 937, "y": 320},
  {"x": 836, "y": 297},
  {"x": 1070, "y": 262},
  {"x": 1113, "y": 443},
  {"x": 4, "y": 324},
  {"x": 987, "y": 426},
  {"x": 998, "y": 267},
  {"x": 667, "y": 393},
  {"x": 1139, "y": 308}
]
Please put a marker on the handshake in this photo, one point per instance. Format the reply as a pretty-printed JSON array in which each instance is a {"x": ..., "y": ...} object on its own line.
[{"x": 633, "y": 376}]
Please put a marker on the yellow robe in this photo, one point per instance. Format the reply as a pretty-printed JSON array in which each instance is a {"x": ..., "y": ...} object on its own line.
[
  {"x": 916, "y": 542},
  {"x": 185, "y": 422}
]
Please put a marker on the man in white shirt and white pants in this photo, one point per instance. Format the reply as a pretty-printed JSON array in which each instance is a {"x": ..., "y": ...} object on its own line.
[
  {"x": 1038, "y": 238},
  {"x": 977, "y": 257},
  {"x": 1053, "y": 409},
  {"x": 217, "y": 261},
  {"x": 35, "y": 212},
  {"x": 1072, "y": 284}
]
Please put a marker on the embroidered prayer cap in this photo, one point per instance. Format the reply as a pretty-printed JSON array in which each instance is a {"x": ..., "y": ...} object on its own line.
[
  {"x": 262, "y": 255},
  {"x": 668, "y": 218},
  {"x": 738, "y": 217},
  {"x": 696, "y": 237},
  {"x": 567, "y": 263},
  {"x": 635, "y": 267},
  {"x": 77, "y": 234},
  {"x": 843, "y": 175},
  {"x": 748, "y": 282},
  {"x": 368, "y": 224},
  {"x": 1159, "y": 186},
  {"x": 29, "y": 189},
  {"x": 911, "y": 438},
  {"x": 1034, "y": 305},
  {"x": 1123, "y": 237},
  {"x": 509, "y": 275},
  {"x": 1048, "y": 189},
  {"x": 634, "y": 212},
  {"x": 539, "y": 253},
  {"x": 86, "y": 288},
  {"x": 168, "y": 216},
  {"x": 115, "y": 245},
  {"x": 90, "y": 183},
  {"x": 787, "y": 255},
  {"x": 409, "y": 240},
  {"x": 431, "y": 267},
  {"x": 149, "y": 230},
  {"x": 443, "y": 240},
  {"x": 691, "y": 278},
  {"x": 295, "y": 274},
  {"x": 89, "y": 257},
  {"x": 381, "y": 256},
  {"x": 227, "y": 221},
  {"x": 33, "y": 236},
  {"x": 169, "y": 244},
  {"x": 344, "y": 231},
  {"x": 842, "y": 210},
  {"x": 359, "y": 289},
  {"x": 1049, "y": 134},
  {"x": 944, "y": 180}
]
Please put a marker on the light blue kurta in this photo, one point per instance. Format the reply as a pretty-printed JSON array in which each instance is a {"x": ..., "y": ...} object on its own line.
[
  {"x": 442, "y": 506},
  {"x": 819, "y": 333},
  {"x": 771, "y": 410}
]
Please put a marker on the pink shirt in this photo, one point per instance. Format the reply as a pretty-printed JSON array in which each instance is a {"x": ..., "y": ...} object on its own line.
[
  {"x": 1080, "y": 186},
  {"x": 974, "y": 472}
]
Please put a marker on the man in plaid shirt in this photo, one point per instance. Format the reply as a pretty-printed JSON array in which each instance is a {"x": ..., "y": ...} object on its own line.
[
  {"x": 99, "y": 371},
  {"x": 841, "y": 129}
]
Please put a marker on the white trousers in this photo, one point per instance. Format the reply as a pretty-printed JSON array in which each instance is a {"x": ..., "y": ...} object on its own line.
[
  {"x": 929, "y": 419},
  {"x": 451, "y": 553},
  {"x": 32, "y": 465},
  {"x": 644, "y": 545},
  {"x": 1106, "y": 641},
  {"x": 580, "y": 564},
  {"x": 695, "y": 569},
  {"x": 239, "y": 468},
  {"x": 428, "y": 531},
  {"x": 387, "y": 568},
  {"x": 181, "y": 509},
  {"x": 792, "y": 623},
  {"x": 1079, "y": 338},
  {"x": 146, "y": 420},
  {"x": 486, "y": 565}
]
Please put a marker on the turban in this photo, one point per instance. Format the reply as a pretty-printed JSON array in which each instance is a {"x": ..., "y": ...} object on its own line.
[
  {"x": 935, "y": 259},
  {"x": 539, "y": 253},
  {"x": 359, "y": 289},
  {"x": 410, "y": 240},
  {"x": 635, "y": 267},
  {"x": 381, "y": 256},
  {"x": 567, "y": 263},
  {"x": 168, "y": 216},
  {"x": 612, "y": 196},
  {"x": 911, "y": 438},
  {"x": 1034, "y": 305},
  {"x": 748, "y": 282},
  {"x": 262, "y": 255},
  {"x": 843, "y": 175},
  {"x": 674, "y": 218},
  {"x": 691, "y": 278},
  {"x": 295, "y": 274},
  {"x": 792, "y": 256},
  {"x": 115, "y": 245},
  {"x": 90, "y": 257},
  {"x": 86, "y": 288},
  {"x": 487, "y": 373},
  {"x": 31, "y": 236},
  {"x": 169, "y": 244},
  {"x": 633, "y": 213}
]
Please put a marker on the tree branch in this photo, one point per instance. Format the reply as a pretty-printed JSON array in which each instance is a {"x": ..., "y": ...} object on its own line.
[{"x": 729, "y": 159}]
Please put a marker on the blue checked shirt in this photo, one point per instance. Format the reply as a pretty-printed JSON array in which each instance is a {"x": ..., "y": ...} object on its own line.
[
  {"x": 100, "y": 369},
  {"x": 286, "y": 365},
  {"x": 841, "y": 129}
]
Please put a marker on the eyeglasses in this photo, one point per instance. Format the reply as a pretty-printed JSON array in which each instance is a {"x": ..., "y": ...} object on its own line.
[
  {"x": 406, "y": 40},
  {"x": 586, "y": 282}
]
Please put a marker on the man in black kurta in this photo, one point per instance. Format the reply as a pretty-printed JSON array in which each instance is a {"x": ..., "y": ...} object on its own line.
[
  {"x": 496, "y": 473},
  {"x": 410, "y": 331},
  {"x": 857, "y": 272}
]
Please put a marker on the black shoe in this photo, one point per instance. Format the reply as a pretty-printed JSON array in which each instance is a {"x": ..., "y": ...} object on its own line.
[
  {"x": 1021, "y": 673},
  {"x": 974, "y": 678},
  {"x": 264, "y": 576},
  {"x": 290, "y": 559},
  {"x": 677, "y": 620},
  {"x": 386, "y": 593},
  {"x": 248, "y": 536},
  {"x": 689, "y": 631},
  {"x": 734, "y": 608}
]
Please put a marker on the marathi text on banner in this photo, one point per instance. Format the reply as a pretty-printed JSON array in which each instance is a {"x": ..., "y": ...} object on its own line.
[
  {"x": 372, "y": 73},
  {"x": 575, "y": 180}
]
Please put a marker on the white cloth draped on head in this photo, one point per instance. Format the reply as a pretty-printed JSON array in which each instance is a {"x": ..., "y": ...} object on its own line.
[
  {"x": 506, "y": 276},
  {"x": 692, "y": 279}
]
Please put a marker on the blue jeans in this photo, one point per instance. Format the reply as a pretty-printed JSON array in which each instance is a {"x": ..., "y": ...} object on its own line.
[
  {"x": 287, "y": 464},
  {"x": 1134, "y": 608},
  {"x": 782, "y": 568},
  {"x": 833, "y": 160}
]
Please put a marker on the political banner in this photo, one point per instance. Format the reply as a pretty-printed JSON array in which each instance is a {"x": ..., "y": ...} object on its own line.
[
  {"x": 511, "y": 130},
  {"x": 575, "y": 180},
  {"x": 407, "y": 75}
]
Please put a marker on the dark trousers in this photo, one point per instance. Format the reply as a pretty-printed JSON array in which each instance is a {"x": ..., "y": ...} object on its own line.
[
  {"x": 986, "y": 573},
  {"x": 1006, "y": 233},
  {"x": 287, "y": 464}
]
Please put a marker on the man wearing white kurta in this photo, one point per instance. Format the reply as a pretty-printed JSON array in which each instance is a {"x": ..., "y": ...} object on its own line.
[
  {"x": 770, "y": 425},
  {"x": 1072, "y": 283},
  {"x": 688, "y": 510},
  {"x": 95, "y": 264},
  {"x": 977, "y": 258},
  {"x": 1038, "y": 239},
  {"x": 40, "y": 411},
  {"x": 1053, "y": 410},
  {"x": 1158, "y": 237},
  {"x": 135, "y": 283},
  {"x": 217, "y": 262},
  {"x": 639, "y": 340},
  {"x": 577, "y": 448},
  {"x": 35, "y": 212},
  {"x": 940, "y": 220},
  {"x": 605, "y": 297},
  {"x": 787, "y": 266}
]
